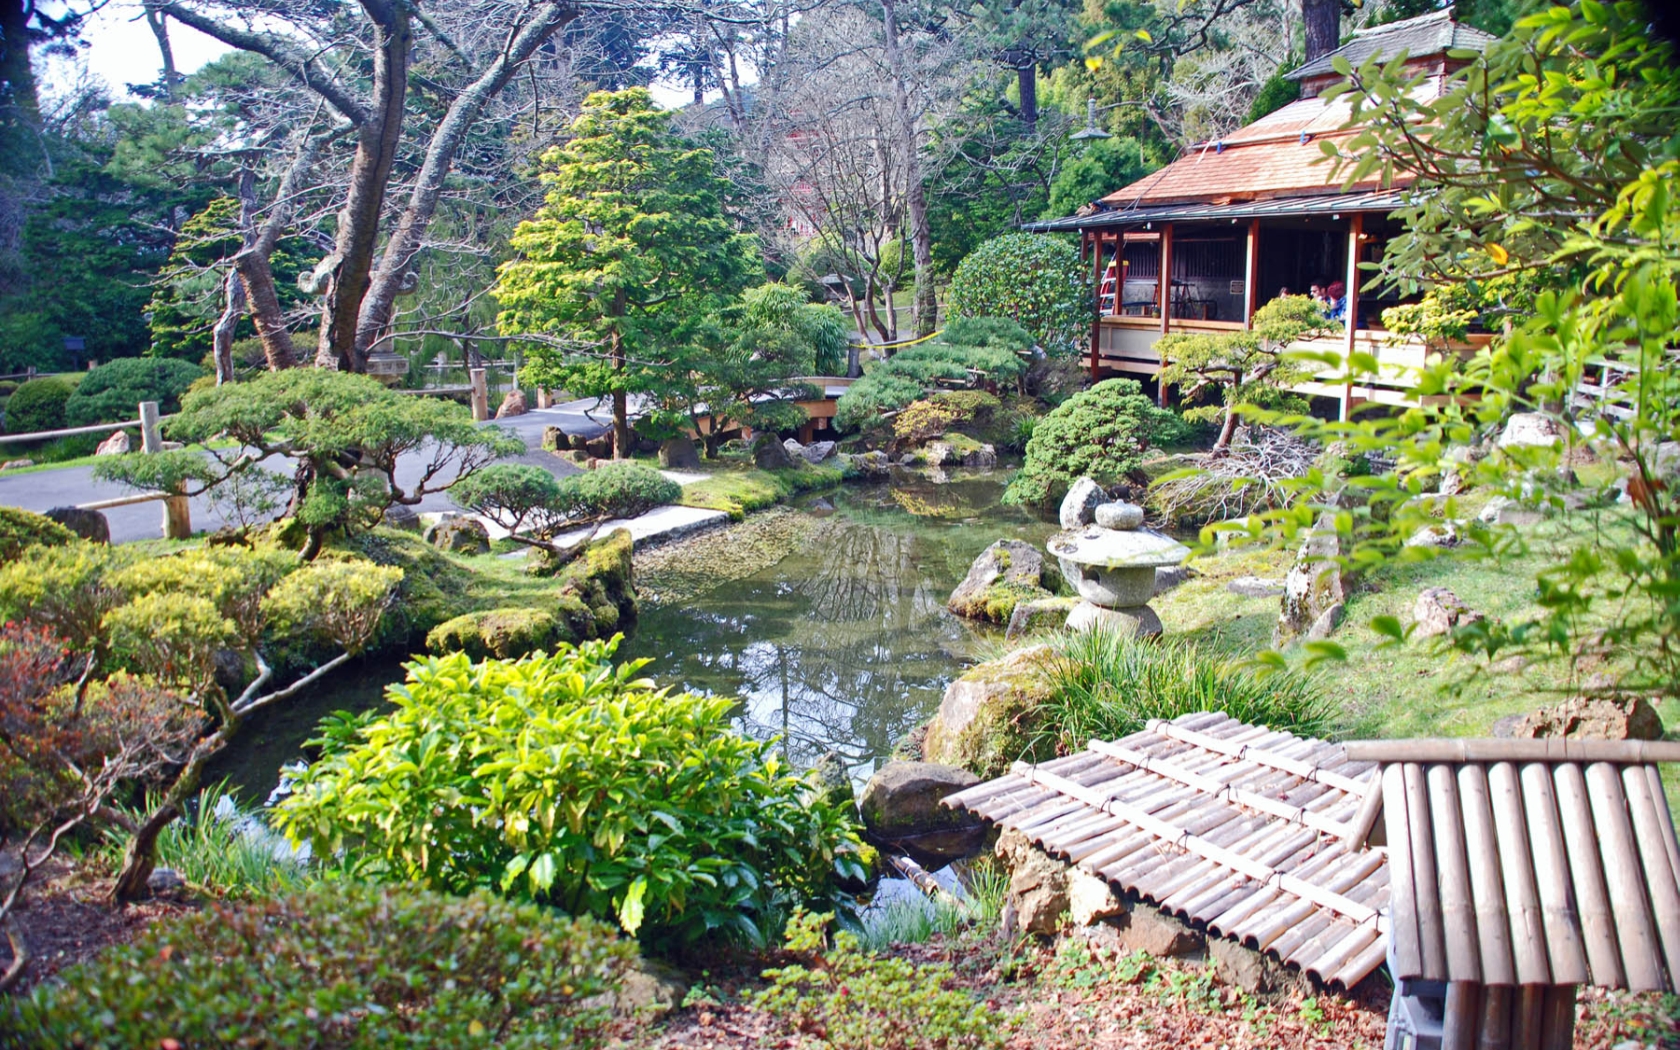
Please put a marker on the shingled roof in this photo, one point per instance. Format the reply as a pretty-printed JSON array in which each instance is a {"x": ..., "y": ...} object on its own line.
[{"x": 1429, "y": 34}]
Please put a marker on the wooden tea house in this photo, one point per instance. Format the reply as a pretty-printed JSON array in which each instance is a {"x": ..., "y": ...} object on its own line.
[
  {"x": 1493, "y": 877},
  {"x": 1201, "y": 244}
]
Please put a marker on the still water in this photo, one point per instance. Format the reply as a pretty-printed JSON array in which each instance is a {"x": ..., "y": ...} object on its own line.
[{"x": 843, "y": 644}]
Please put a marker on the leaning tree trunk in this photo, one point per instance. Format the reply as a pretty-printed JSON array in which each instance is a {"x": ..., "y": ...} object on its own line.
[
  {"x": 921, "y": 231},
  {"x": 347, "y": 271},
  {"x": 1324, "y": 26},
  {"x": 221, "y": 336},
  {"x": 140, "y": 856}
]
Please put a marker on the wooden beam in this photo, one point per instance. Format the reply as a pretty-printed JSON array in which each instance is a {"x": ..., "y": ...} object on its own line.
[
  {"x": 1166, "y": 303},
  {"x": 1556, "y": 749},
  {"x": 1356, "y": 228},
  {"x": 1250, "y": 272},
  {"x": 1095, "y": 241}
]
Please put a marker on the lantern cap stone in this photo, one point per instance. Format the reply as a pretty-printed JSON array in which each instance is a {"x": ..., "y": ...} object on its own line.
[{"x": 1117, "y": 549}]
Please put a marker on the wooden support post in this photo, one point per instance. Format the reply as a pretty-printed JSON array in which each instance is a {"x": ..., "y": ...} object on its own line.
[
  {"x": 1557, "y": 1018},
  {"x": 177, "y": 512},
  {"x": 545, "y": 399},
  {"x": 480, "y": 394},
  {"x": 1356, "y": 229},
  {"x": 1251, "y": 271},
  {"x": 1095, "y": 241},
  {"x": 1166, "y": 304},
  {"x": 1463, "y": 1014}
]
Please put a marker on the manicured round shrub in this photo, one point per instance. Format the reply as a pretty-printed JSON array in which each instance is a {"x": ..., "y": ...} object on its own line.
[
  {"x": 8, "y": 387},
  {"x": 1100, "y": 433},
  {"x": 112, "y": 392},
  {"x": 618, "y": 490},
  {"x": 37, "y": 405},
  {"x": 341, "y": 965},
  {"x": 22, "y": 529},
  {"x": 573, "y": 782},
  {"x": 1035, "y": 280}
]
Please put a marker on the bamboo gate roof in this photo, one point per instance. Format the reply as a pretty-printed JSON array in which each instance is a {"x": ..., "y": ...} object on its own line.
[
  {"x": 1251, "y": 832},
  {"x": 1531, "y": 862}
]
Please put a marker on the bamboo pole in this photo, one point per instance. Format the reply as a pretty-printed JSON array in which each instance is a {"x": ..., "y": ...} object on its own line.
[
  {"x": 1628, "y": 900},
  {"x": 1565, "y": 954},
  {"x": 1522, "y": 899},
  {"x": 1425, "y": 879},
  {"x": 1461, "y": 1016},
  {"x": 1337, "y": 954},
  {"x": 1527, "y": 1016},
  {"x": 1365, "y": 820},
  {"x": 1361, "y": 965},
  {"x": 1598, "y": 925},
  {"x": 1487, "y": 884},
  {"x": 1495, "y": 1028},
  {"x": 1654, "y": 777},
  {"x": 1557, "y": 1018},
  {"x": 1408, "y": 944},
  {"x": 1559, "y": 749},
  {"x": 1458, "y": 905},
  {"x": 1653, "y": 855}
]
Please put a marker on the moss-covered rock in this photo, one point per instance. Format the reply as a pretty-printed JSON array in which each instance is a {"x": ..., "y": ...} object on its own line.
[
  {"x": 502, "y": 633},
  {"x": 22, "y": 529},
  {"x": 602, "y": 580},
  {"x": 987, "y": 714},
  {"x": 1004, "y": 575}
]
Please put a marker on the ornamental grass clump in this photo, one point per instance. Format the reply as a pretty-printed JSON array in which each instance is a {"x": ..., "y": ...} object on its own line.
[
  {"x": 340, "y": 966},
  {"x": 570, "y": 781},
  {"x": 1103, "y": 686}
]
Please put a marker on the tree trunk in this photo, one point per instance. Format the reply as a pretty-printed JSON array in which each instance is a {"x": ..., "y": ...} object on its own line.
[
  {"x": 1324, "y": 26},
  {"x": 264, "y": 304},
  {"x": 1227, "y": 431},
  {"x": 620, "y": 403},
  {"x": 221, "y": 336},
  {"x": 349, "y": 275},
  {"x": 375, "y": 312},
  {"x": 158, "y": 22},
  {"x": 140, "y": 855},
  {"x": 910, "y": 144},
  {"x": 1026, "y": 76}
]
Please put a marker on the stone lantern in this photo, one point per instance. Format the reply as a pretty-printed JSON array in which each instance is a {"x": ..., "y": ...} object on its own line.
[{"x": 1111, "y": 562}]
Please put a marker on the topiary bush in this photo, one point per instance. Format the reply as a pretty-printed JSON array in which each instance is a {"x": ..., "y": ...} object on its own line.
[
  {"x": 1035, "y": 280},
  {"x": 1100, "y": 433},
  {"x": 665, "y": 819},
  {"x": 37, "y": 405},
  {"x": 618, "y": 490},
  {"x": 341, "y": 965},
  {"x": 22, "y": 529},
  {"x": 969, "y": 352},
  {"x": 112, "y": 392}
]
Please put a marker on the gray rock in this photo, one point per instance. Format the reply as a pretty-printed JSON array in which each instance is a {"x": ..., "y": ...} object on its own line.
[
  {"x": 88, "y": 524},
  {"x": 817, "y": 451},
  {"x": 512, "y": 405},
  {"x": 459, "y": 535},
  {"x": 1090, "y": 898},
  {"x": 991, "y": 692},
  {"x": 1315, "y": 583},
  {"x": 900, "y": 809},
  {"x": 770, "y": 454},
  {"x": 1593, "y": 718},
  {"x": 1326, "y": 623},
  {"x": 401, "y": 516},
  {"x": 117, "y": 444},
  {"x": 794, "y": 448},
  {"x": 1255, "y": 587},
  {"x": 912, "y": 459},
  {"x": 650, "y": 990},
  {"x": 1136, "y": 622},
  {"x": 1439, "y": 534},
  {"x": 16, "y": 464},
  {"x": 1079, "y": 506},
  {"x": 165, "y": 882},
  {"x": 941, "y": 454},
  {"x": 1530, "y": 428},
  {"x": 1146, "y": 929},
  {"x": 679, "y": 453},
  {"x": 1169, "y": 576},
  {"x": 1438, "y": 610},
  {"x": 1038, "y": 884},
  {"x": 555, "y": 440},
  {"x": 1040, "y": 614},
  {"x": 982, "y": 458},
  {"x": 1502, "y": 510},
  {"x": 600, "y": 447},
  {"x": 1007, "y": 569},
  {"x": 1123, "y": 516},
  {"x": 873, "y": 465},
  {"x": 1241, "y": 968}
]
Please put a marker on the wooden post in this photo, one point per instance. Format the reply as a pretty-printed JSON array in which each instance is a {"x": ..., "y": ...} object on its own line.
[
  {"x": 545, "y": 398},
  {"x": 480, "y": 394},
  {"x": 177, "y": 512},
  {"x": 1166, "y": 304},
  {"x": 1356, "y": 227},
  {"x": 1463, "y": 1013},
  {"x": 1250, "y": 271},
  {"x": 1095, "y": 241}
]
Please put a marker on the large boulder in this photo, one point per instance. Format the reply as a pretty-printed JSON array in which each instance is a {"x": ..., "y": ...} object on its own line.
[
  {"x": 770, "y": 454},
  {"x": 679, "y": 453},
  {"x": 1040, "y": 614},
  {"x": 1315, "y": 583},
  {"x": 1438, "y": 610},
  {"x": 1255, "y": 587},
  {"x": 873, "y": 465},
  {"x": 512, "y": 405},
  {"x": 817, "y": 451},
  {"x": 401, "y": 516},
  {"x": 88, "y": 524},
  {"x": 986, "y": 714},
  {"x": 555, "y": 440},
  {"x": 982, "y": 458},
  {"x": 117, "y": 444},
  {"x": 1530, "y": 428},
  {"x": 459, "y": 536},
  {"x": 1079, "y": 506},
  {"x": 1593, "y": 718},
  {"x": 1004, "y": 575},
  {"x": 900, "y": 809},
  {"x": 1134, "y": 621}
]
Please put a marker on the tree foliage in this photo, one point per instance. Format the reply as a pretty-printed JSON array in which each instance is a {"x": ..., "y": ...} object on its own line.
[
  {"x": 112, "y": 392},
  {"x": 1100, "y": 433},
  {"x": 971, "y": 352},
  {"x": 666, "y": 821},
  {"x": 535, "y": 506},
  {"x": 1035, "y": 280}
]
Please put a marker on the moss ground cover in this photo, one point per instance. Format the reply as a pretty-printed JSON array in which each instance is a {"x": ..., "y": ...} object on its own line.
[{"x": 740, "y": 490}]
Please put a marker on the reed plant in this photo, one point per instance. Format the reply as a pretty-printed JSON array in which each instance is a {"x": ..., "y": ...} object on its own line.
[{"x": 219, "y": 849}]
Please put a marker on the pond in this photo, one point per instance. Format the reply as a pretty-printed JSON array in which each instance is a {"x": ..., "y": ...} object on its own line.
[{"x": 843, "y": 643}]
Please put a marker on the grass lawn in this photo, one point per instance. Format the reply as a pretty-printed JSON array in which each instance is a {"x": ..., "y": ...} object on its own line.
[{"x": 740, "y": 489}]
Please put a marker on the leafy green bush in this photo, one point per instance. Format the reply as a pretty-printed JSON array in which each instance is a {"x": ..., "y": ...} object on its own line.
[
  {"x": 1100, "y": 433},
  {"x": 112, "y": 392},
  {"x": 22, "y": 529},
  {"x": 534, "y": 505},
  {"x": 618, "y": 490},
  {"x": 1103, "y": 686},
  {"x": 1034, "y": 279},
  {"x": 852, "y": 999},
  {"x": 970, "y": 351},
  {"x": 7, "y": 388},
  {"x": 37, "y": 405},
  {"x": 339, "y": 966},
  {"x": 664, "y": 818}
]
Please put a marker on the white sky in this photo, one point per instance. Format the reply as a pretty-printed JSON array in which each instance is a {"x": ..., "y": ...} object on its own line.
[{"x": 120, "y": 50}]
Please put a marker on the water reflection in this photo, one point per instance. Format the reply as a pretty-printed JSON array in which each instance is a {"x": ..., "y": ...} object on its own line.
[{"x": 845, "y": 644}]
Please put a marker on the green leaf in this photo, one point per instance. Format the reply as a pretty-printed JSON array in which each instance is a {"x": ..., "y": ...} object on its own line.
[{"x": 631, "y": 909}]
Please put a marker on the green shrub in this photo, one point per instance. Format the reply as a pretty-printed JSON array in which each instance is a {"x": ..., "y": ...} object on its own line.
[
  {"x": 338, "y": 966},
  {"x": 37, "y": 405},
  {"x": 1103, "y": 686},
  {"x": 8, "y": 387},
  {"x": 112, "y": 392},
  {"x": 618, "y": 490},
  {"x": 1036, "y": 280},
  {"x": 22, "y": 529},
  {"x": 1100, "y": 433},
  {"x": 665, "y": 818},
  {"x": 849, "y": 999},
  {"x": 978, "y": 350}
]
